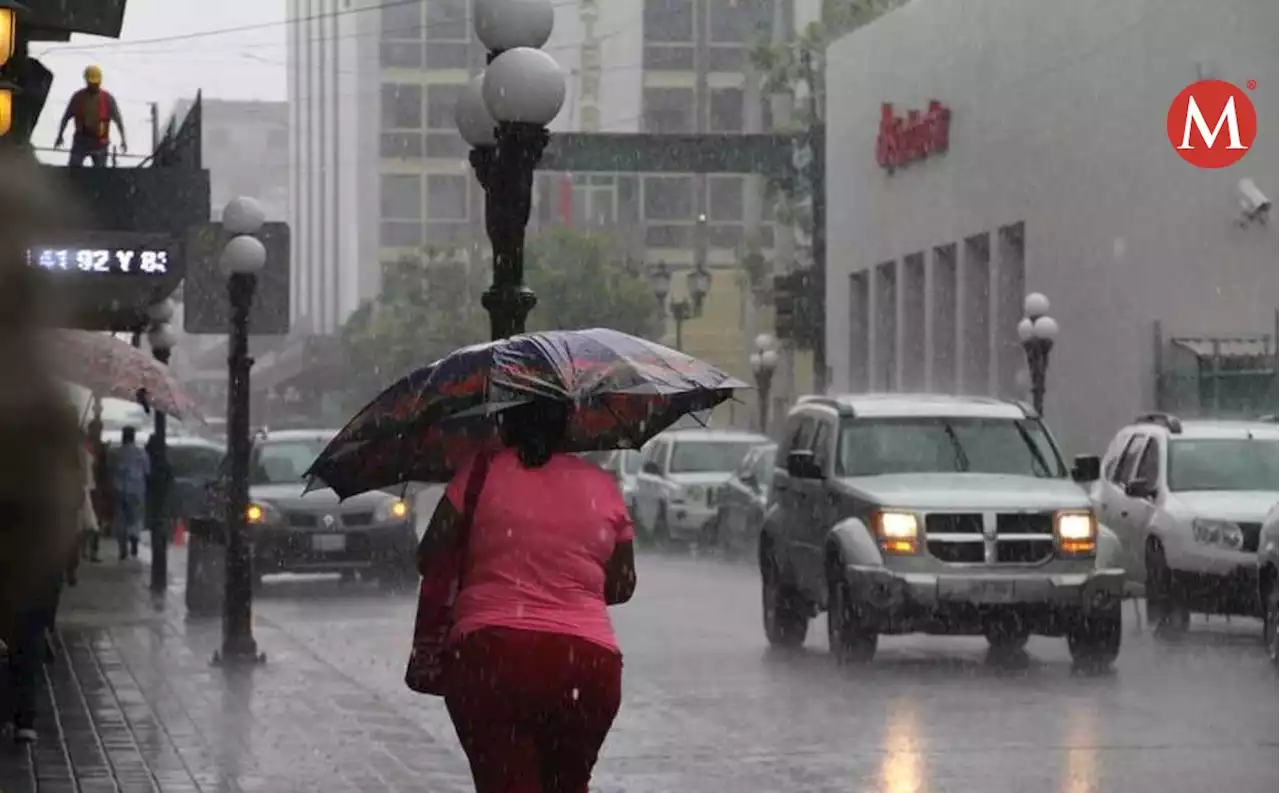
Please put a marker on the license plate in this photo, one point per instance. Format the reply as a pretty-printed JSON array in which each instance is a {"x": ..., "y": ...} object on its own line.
[
  {"x": 992, "y": 591},
  {"x": 328, "y": 543}
]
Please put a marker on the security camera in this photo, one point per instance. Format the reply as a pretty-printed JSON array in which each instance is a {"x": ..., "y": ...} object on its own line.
[{"x": 1254, "y": 204}]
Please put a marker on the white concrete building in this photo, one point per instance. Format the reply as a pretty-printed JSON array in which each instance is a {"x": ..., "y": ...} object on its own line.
[{"x": 1058, "y": 178}]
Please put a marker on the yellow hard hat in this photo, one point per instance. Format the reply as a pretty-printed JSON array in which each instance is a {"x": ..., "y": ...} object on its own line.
[{"x": 93, "y": 75}]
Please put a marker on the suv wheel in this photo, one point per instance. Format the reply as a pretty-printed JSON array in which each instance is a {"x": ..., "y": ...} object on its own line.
[
  {"x": 785, "y": 621},
  {"x": 1094, "y": 641},
  {"x": 851, "y": 640},
  {"x": 1271, "y": 605},
  {"x": 1166, "y": 609}
]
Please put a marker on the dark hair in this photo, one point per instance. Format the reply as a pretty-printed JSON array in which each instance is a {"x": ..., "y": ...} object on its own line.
[
  {"x": 128, "y": 435},
  {"x": 536, "y": 430}
]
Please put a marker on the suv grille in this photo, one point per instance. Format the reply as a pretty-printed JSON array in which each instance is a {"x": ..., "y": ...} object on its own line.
[
  {"x": 991, "y": 538},
  {"x": 1252, "y": 533}
]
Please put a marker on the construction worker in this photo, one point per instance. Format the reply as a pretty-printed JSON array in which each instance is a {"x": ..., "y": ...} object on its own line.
[{"x": 94, "y": 110}]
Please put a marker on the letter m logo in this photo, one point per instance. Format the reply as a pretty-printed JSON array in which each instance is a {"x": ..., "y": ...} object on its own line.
[{"x": 1220, "y": 143}]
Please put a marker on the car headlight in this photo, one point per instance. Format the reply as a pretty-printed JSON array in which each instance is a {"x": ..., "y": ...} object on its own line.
[
  {"x": 897, "y": 531},
  {"x": 393, "y": 510},
  {"x": 1076, "y": 532},
  {"x": 694, "y": 493},
  {"x": 1222, "y": 533},
  {"x": 261, "y": 513}
]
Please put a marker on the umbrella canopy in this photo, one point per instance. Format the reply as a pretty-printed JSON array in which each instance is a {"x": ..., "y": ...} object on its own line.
[
  {"x": 110, "y": 367},
  {"x": 623, "y": 390}
]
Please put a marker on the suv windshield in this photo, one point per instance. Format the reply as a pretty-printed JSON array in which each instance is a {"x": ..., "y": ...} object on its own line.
[
  {"x": 690, "y": 457},
  {"x": 935, "y": 445},
  {"x": 281, "y": 462},
  {"x": 1223, "y": 464}
]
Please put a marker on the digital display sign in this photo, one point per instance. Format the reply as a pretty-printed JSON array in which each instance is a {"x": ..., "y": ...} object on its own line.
[{"x": 101, "y": 260}]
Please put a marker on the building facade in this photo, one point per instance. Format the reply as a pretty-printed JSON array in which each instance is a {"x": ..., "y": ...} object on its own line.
[
  {"x": 245, "y": 148},
  {"x": 976, "y": 154}
]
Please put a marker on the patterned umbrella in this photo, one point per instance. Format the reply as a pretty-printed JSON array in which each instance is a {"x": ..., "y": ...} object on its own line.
[
  {"x": 110, "y": 367},
  {"x": 623, "y": 389}
]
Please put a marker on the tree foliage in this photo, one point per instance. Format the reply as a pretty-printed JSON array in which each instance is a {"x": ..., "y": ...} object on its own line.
[{"x": 430, "y": 305}]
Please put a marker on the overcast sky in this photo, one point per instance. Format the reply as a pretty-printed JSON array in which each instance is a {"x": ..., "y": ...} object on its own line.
[{"x": 246, "y": 64}]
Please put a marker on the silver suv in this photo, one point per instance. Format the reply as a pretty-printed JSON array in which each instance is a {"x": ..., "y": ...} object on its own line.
[
  {"x": 949, "y": 515},
  {"x": 1187, "y": 500}
]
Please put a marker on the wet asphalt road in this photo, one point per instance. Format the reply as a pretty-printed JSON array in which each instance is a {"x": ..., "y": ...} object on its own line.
[{"x": 708, "y": 708}]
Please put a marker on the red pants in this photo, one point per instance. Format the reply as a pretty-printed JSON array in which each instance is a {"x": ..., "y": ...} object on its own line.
[{"x": 532, "y": 709}]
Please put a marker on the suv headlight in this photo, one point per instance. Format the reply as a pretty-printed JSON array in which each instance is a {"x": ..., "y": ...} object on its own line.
[
  {"x": 1222, "y": 533},
  {"x": 1076, "y": 532},
  {"x": 393, "y": 510},
  {"x": 897, "y": 531},
  {"x": 261, "y": 513}
]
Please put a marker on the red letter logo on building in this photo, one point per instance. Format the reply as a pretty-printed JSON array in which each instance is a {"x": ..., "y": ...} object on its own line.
[{"x": 1212, "y": 124}]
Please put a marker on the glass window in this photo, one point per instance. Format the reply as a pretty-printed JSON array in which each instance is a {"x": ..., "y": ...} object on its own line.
[
  {"x": 689, "y": 457},
  {"x": 1236, "y": 464},
  {"x": 401, "y": 54},
  {"x": 667, "y": 57},
  {"x": 1149, "y": 463},
  {"x": 631, "y": 461},
  {"x": 724, "y": 197},
  {"x": 931, "y": 445},
  {"x": 669, "y": 110},
  {"x": 447, "y": 20},
  {"x": 400, "y": 234},
  {"x": 402, "y": 145},
  {"x": 668, "y": 20},
  {"x": 401, "y": 197},
  {"x": 198, "y": 463},
  {"x": 447, "y": 55},
  {"x": 739, "y": 21},
  {"x": 281, "y": 462},
  {"x": 726, "y": 110},
  {"x": 762, "y": 467},
  {"x": 401, "y": 106},
  {"x": 668, "y": 197},
  {"x": 446, "y": 196},
  {"x": 822, "y": 445},
  {"x": 441, "y": 100},
  {"x": 1124, "y": 465},
  {"x": 401, "y": 21}
]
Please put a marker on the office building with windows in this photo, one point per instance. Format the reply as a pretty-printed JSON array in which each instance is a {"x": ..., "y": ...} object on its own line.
[
  {"x": 380, "y": 171},
  {"x": 979, "y": 166}
]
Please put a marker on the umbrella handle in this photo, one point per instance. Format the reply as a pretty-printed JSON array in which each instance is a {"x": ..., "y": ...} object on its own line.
[{"x": 144, "y": 400}]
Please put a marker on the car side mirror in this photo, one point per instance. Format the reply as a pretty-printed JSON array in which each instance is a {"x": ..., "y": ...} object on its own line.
[
  {"x": 1086, "y": 468},
  {"x": 1139, "y": 488},
  {"x": 802, "y": 465},
  {"x": 652, "y": 468}
]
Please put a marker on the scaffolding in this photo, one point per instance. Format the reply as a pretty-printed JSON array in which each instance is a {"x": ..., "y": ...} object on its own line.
[{"x": 1223, "y": 377}]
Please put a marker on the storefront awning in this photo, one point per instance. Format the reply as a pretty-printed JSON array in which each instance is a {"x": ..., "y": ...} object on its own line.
[{"x": 1209, "y": 348}]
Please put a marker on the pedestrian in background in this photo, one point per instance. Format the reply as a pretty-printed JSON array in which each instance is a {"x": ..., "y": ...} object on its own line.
[
  {"x": 130, "y": 468},
  {"x": 94, "y": 110},
  {"x": 533, "y": 677}
]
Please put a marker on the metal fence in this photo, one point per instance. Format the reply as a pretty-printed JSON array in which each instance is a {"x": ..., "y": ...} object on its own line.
[{"x": 1216, "y": 376}]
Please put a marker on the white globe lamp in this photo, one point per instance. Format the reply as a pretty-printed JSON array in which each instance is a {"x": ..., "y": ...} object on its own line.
[
  {"x": 1035, "y": 305},
  {"x": 1026, "y": 329},
  {"x": 769, "y": 359},
  {"x": 1045, "y": 328},
  {"x": 524, "y": 85},
  {"x": 161, "y": 312},
  {"x": 243, "y": 215},
  {"x": 243, "y": 255},
  {"x": 472, "y": 117},
  {"x": 507, "y": 24},
  {"x": 162, "y": 337}
]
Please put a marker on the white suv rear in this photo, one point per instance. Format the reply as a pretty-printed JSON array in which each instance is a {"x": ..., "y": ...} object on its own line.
[{"x": 1187, "y": 500}]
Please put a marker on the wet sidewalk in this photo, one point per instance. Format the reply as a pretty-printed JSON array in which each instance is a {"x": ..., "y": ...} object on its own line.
[{"x": 133, "y": 705}]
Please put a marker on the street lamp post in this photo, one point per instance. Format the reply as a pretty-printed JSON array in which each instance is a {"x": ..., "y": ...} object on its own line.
[
  {"x": 681, "y": 311},
  {"x": 161, "y": 340},
  {"x": 763, "y": 363},
  {"x": 1037, "y": 330},
  {"x": 242, "y": 259},
  {"x": 503, "y": 114}
]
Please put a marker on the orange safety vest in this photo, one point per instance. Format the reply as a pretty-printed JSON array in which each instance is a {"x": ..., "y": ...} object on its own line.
[{"x": 86, "y": 125}]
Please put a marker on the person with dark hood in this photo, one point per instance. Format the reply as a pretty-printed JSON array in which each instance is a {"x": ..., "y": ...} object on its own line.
[
  {"x": 535, "y": 676},
  {"x": 130, "y": 468},
  {"x": 41, "y": 481}
]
